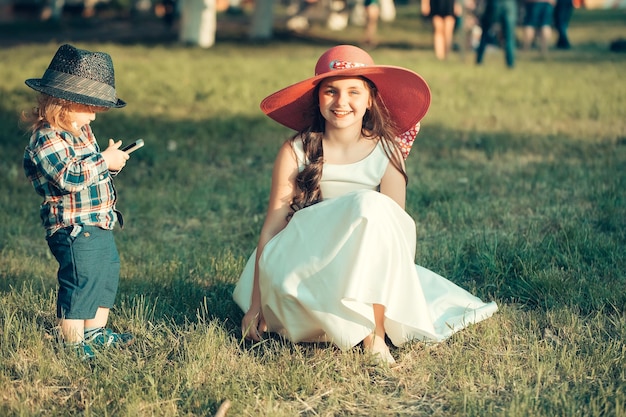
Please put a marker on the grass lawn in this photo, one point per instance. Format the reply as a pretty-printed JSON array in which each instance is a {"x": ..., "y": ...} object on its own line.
[{"x": 517, "y": 185}]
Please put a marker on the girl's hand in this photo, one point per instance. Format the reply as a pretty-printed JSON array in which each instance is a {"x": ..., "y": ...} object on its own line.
[
  {"x": 114, "y": 157},
  {"x": 253, "y": 324}
]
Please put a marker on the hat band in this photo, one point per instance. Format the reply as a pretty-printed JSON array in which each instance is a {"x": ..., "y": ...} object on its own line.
[
  {"x": 78, "y": 85},
  {"x": 338, "y": 64}
]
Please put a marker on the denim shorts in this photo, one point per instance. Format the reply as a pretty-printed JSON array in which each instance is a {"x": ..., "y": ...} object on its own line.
[
  {"x": 538, "y": 14},
  {"x": 89, "y": 270}
]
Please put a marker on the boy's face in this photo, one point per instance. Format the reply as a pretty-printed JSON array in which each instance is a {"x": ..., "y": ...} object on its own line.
[{"x": 82, "y": 115}]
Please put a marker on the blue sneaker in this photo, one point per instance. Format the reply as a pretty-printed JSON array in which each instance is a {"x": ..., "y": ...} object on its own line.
[
  {"x": 107, "y": 337},
  {"x": 83, "y": 351}
]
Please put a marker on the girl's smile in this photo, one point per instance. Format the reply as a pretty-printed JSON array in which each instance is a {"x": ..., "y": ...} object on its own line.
[{"x": 344, "y": 101}]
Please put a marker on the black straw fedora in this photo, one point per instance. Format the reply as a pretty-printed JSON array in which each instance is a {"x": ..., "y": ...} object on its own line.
[{"x": 79, "y": 76}]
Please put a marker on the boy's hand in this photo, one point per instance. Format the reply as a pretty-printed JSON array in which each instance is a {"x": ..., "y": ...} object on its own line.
[{"x": 114, "y": 157}]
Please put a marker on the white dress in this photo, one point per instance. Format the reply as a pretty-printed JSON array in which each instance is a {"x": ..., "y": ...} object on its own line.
[{"x": 320, "y": 276}]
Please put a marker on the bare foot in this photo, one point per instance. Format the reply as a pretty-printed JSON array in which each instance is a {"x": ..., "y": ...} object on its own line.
[{"x": 379, "y": 349}]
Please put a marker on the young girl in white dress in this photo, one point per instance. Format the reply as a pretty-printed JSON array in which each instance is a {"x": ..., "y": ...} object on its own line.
[{"x": 335, "y": 259}]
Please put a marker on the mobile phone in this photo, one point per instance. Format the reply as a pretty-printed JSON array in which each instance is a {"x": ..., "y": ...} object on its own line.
[{"x": 133, "y": 146}]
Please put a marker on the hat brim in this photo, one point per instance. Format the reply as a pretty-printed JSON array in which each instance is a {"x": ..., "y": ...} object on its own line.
[
  {"x": 404, "y": 92},
  {"x": 35, "y": 84}
]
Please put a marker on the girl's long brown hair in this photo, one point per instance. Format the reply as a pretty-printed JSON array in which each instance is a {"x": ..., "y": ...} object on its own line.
[{"x": 377, "y": 125}]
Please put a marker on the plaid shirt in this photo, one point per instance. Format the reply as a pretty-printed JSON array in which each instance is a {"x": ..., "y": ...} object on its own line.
[{"x": 73, "y": 179}]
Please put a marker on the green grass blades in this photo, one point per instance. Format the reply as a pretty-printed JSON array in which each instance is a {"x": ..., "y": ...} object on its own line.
[{"x": 516, "y": 183}]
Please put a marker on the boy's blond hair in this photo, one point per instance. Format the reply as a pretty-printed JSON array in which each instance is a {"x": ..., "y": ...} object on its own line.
[{"x": 56, "y": 112}]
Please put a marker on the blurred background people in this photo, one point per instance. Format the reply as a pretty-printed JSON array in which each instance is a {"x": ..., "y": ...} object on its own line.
[
  {"x": 375, "y": 11},
  {"x": 53, "y": 9},
  {"x": 372, "y": 12},
  {"x": 563, "y": 10},
  {"x": 443, "y": 15},
  {"x": 538, "y": 18},
  {"x": 467, "y": 27},
  {"x": 6, "y": 11},
  {"x": 504, "y": 13},
  {"x": 198, "y": 22}
]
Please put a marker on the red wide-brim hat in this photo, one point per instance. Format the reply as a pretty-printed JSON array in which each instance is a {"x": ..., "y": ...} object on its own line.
[{"x": 404, "y": 93}]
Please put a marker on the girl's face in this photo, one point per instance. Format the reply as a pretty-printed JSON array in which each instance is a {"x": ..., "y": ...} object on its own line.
[{"x": 343, "y": 101}]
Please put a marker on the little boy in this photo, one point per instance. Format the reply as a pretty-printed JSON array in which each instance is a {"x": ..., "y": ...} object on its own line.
[{"x": 64, "y": 163}]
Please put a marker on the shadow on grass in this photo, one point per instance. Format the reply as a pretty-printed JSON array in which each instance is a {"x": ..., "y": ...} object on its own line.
[{"x": 195, "y": 209}]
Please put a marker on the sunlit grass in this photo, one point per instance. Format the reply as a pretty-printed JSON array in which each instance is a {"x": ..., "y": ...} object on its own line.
[{"x": 516, "y": 184}]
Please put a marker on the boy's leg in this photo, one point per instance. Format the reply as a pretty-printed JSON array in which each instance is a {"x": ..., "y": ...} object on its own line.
[
  {"x": 97, "y": 334},
  {"x": 100, "y": 320},
  {"x": 87, "y": 284},
  {"x": 72, "y": 330}
]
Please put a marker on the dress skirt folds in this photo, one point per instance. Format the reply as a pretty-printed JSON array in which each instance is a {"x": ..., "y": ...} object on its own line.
[{"x": 320, "y": 276}]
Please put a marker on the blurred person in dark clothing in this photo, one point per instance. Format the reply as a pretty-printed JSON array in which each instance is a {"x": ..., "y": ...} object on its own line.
[
  {"x": 562, "y": 14},
  {"x": 503, "y": 12},
  {"x": 443, "y": 14}
]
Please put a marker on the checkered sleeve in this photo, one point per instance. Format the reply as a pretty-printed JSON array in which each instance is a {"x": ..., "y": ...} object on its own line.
[
  {"x": 70, "y": 168},
  {"x": 71, "y": 175}
]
